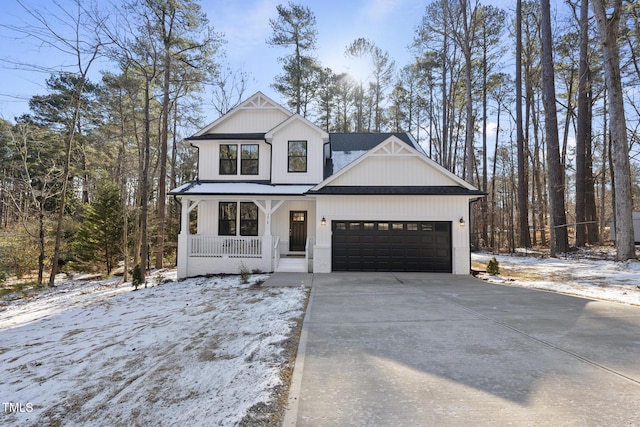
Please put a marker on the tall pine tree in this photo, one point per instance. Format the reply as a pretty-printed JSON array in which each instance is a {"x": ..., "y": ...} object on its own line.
[{"x": 100, "y": 236}]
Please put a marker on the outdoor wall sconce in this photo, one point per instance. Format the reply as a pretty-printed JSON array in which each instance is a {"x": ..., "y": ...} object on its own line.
[
  {"x": 461, "y": 222},
  {"x": 323, "y": 222}
]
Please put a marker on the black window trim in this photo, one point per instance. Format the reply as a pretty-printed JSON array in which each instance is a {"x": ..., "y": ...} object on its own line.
[
  {"x": 256, "y": 160},
  {"x": 238, "y": 223},
  {"x": 305, "y": 157},
  {"x": 231, "y": 161},
  {"x": 227, "y": 221},
  {"x": 244, "y": 223}
]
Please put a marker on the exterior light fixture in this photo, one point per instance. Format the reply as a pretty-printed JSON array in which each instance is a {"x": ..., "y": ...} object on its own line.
[
  {"x": 461, "y": 222},
  {"x": 323, "y": 222}
]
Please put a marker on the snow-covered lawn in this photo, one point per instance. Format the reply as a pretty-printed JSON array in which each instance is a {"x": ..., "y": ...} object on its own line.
[
  {"x": 575, "y": 275},
  {"x": 198, "y": 352}
]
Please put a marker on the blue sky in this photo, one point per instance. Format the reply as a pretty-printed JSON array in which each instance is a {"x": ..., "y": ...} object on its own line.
[{"x": 245, "y": 24}]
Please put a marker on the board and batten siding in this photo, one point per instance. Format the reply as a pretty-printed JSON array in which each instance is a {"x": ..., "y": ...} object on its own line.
[
  {"x": 250, "y": 120},
  {"x": 394, "y": 208},
  {"x": 297, "y": 131},
  {"x": 392, "y": 170}
]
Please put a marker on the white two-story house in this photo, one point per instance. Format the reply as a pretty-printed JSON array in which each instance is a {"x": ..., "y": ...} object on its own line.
[{"x": 277, "y": 193}]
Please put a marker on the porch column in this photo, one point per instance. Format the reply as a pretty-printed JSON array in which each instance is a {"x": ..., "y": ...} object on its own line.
[
  {"x": 183, "y": 238},
  {"x": 267, "y": 239},
  {"x": 267, "y": 210},
  {"x": 183, "y": 241}
]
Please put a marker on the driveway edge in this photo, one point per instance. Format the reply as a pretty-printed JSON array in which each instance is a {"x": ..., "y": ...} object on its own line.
[{"x": 291, "y": 411}]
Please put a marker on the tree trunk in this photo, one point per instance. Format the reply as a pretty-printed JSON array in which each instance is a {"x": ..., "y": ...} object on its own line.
[
  {"x": 623, "y": 208},
  {"x": 583, "y": 137},
  {"x": 41, "y": 242},
  {"x": 559, "y": 237},
  {"x": 493, "y": 181},
  {"x": 591, "y": 212},
  {"x": 162, "y": 178},
  {"x": 523, "y": 182},
  {"x": 445, "y": 122},
  {"x": 483, "y": 201},
  {"x": 144, "y": 195},
  {"x": 65, "y": 182}
]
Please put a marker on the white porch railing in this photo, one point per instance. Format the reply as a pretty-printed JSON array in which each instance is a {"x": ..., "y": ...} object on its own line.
[{"x": 218, "y": 246}]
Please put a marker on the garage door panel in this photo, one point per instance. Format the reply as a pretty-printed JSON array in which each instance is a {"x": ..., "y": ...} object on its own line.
[{"x": 391, "y": 246}]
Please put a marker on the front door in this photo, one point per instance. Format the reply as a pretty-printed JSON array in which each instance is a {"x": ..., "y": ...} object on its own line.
[{"x": 297, "y": 231}]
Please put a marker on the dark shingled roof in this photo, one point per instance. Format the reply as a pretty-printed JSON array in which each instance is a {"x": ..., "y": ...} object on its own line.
[
  {"x": 400, "y": 191},
  {"x": 228, "y": 136},
  {"x": 343, "y": 144},
  {"x": 366, "y": 141}
]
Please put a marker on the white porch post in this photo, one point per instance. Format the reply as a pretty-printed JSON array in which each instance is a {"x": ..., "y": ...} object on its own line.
[
  {"x": 267, "y": 208},
  {"x": 183, "y": 238},
  {"x": 267, "y": 239},
  {"x": 183, "y": 241}
]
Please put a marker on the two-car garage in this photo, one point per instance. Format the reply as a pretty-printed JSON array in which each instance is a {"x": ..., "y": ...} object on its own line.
[{"x": 423, "y": 246}]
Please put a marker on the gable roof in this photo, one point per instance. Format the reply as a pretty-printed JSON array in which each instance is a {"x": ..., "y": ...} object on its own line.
[
  {"x": 347, "y": 147},
  {"x": 217, "y": 188},
  {"x": 362, "y": 141},
  {"x": 393, "y": 146},
  {"x": 296, "y": 117},
  {"x": 257, "y": 101},
  {"x": 407, "y": 190}
]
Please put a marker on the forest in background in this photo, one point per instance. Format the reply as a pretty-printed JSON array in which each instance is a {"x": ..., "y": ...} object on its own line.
[{"x": 540, "y": 113}]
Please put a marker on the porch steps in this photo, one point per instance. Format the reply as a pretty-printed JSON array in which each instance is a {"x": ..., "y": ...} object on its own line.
[{"x": 292, "y": 265}]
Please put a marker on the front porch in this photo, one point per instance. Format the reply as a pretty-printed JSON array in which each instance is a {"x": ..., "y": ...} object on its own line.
[
  {"x": 226, "y": 254},
  {"x": 212, "y": 239}
]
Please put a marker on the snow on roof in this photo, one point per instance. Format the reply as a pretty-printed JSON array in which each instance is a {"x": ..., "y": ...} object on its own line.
[
  {"x": 343, "y": 158},
  {"x": 239, "y": 188}
]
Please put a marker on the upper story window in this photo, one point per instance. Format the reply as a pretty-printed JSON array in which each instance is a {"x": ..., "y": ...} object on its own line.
[
  {"x": 297, "y": 156},
  {"x": 228, "y": 159},
  {"x": 249, "y": 159}
]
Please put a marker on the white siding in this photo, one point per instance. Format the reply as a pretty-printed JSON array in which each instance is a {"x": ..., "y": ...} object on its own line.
[
  {"x": 208, "y": 217},
  {"x": 259, "y": 120},
  {"x": 393, "y": 170},
  {"x": 297, "y": 131}
]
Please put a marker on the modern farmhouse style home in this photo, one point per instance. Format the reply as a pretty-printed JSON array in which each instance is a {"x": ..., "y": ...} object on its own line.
[{"x": 277, "y": 193}]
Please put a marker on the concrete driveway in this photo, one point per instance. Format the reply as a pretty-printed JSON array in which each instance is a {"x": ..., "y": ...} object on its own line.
[{"x": 408, "y": 349}]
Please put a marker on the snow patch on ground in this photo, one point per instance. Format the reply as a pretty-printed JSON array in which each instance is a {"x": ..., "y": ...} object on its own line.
[
  {"x": 198, "y": 352},
  {"x": 592, "y": 278}
]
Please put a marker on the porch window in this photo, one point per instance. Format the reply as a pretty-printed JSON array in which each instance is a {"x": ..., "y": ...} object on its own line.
[
  {"x": 248, "y": 219},
  {"x": 297, "y": 156},
  {"x": 228, "y": 159},
  {"x": 249, "y": 159},
  {"x": 227, "y": 219}
]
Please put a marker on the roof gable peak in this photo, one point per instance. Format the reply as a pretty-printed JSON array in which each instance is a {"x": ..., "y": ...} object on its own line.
[
  {"x": 393, "y": 146},
  {"x": 296, "y": 118},
  {"x": 258, "y": 101}
]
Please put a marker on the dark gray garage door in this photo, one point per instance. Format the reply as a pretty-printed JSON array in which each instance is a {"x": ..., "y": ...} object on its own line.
[{"x": 391, "y": 246}]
